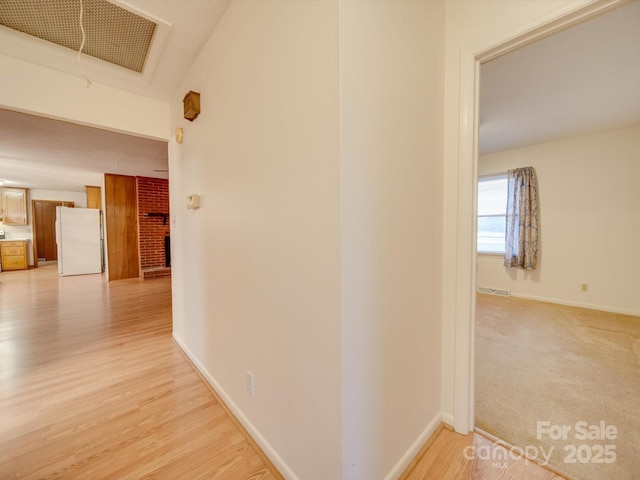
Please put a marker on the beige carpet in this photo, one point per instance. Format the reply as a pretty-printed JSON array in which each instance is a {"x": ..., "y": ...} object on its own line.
[{"x": 541, "y": 362}]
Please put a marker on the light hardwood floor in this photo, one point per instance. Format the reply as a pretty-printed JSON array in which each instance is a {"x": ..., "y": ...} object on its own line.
[
  {"x": 92, "y": 386},
  {"x": 451, "y": 456}
]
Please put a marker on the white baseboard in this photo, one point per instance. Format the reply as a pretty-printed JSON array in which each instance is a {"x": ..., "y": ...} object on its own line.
[
  {"x": 448, "y": 419},
  {"x": 414, "y": 449},
  {"x": 277, "y": 461},
  {"x": 268, "y": 450},
  {"x": 572, "y": 303}
]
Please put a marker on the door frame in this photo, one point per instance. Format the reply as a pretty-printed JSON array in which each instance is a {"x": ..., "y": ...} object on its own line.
[{"x": 470, "y": 61}]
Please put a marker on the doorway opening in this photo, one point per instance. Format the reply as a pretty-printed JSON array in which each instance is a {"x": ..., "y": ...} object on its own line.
[{"x": 487, "y": 276}]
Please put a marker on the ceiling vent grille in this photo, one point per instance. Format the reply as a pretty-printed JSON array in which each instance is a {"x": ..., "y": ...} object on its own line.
[{"x": 113, "y": 34}]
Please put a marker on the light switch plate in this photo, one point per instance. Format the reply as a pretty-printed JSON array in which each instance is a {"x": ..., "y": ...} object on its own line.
[{"x": 193, "y": 201}]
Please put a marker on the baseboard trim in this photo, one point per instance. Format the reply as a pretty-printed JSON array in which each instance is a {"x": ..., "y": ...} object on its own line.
[
  {"x": 277, "y": 466},
  {"x": 415, "y": 452},
  {"x": 447, "y": 418},
  {"x": 571, "y": 303}
]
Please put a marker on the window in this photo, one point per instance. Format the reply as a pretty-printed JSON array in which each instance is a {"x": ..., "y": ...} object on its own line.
[{"x": 492, "y": 213}]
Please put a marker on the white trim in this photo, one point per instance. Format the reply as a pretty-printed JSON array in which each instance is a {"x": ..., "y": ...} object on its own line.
[
  {"x": 490, "y": 254},
  {"x": 470, "y": 60},
  {"x": 571, "y": 303},
  {"x": 415, "y": 447},
  {"x": 463, "y": 406},
  {"x": 163, "y": 28},
  {"x": 493, "y": 176},
  {"x": 269, "y": 451},
  {"x": 447, "y": 418}
]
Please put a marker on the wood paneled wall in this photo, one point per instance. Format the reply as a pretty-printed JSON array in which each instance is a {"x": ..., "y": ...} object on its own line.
[
  {"x": 44, "y": 228},
  {"x": 121, "y": 216}
]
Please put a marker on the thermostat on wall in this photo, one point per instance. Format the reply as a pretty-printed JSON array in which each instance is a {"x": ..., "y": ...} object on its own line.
[{"x": 193, "y": 201}]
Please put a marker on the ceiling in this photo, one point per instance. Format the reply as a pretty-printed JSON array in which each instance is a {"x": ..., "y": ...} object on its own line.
[
  {"x": 42, "y": 153},
  {"x": 578, "y": 81}
]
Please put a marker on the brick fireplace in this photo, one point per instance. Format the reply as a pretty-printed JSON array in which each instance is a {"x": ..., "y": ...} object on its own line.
[{"x": 153, "y": 227}]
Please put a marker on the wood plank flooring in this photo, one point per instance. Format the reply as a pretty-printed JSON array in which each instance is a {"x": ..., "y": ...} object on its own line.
[
  {"x": 92, "y": 386},
  {"x": 452, "y": 456}
]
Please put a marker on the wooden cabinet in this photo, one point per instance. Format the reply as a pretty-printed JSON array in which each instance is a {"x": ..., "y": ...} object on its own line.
[
  {"x": 13, "y": 202},
  {"x": 94, "y": 197},
  {"x": 13, "y": 255}
]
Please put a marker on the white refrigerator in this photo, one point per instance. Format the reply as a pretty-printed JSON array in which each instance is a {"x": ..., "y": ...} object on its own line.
[{"x": 78, "y": 235}]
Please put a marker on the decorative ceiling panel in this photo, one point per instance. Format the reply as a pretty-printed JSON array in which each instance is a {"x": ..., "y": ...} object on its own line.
[{"x": 112, "y": 33}]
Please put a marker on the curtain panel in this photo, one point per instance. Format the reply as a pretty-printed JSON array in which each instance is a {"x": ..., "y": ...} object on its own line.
[{"x": 521, "y": 239}]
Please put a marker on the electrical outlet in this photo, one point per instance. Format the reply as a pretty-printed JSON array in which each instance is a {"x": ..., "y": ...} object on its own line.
[
  {"x": 251, "y": 384},
  {"x": 584, "y": 287}
]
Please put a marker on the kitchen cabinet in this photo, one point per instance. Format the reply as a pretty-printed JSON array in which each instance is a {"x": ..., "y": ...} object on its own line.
[
  {"x": 13, "y": 202},
  {"x": 13, "y": 255},
  {"x": 94, "y": 197}
]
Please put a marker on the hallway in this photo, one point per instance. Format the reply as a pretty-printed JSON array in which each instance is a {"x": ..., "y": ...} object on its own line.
[{"x": 92, "y": 386}]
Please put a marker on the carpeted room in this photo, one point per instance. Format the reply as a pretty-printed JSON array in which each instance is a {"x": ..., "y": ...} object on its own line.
[
  {"x": 563, "y": 349},
  {"x": 544, "y": 362},
  {"x": 565, "y": 346}
]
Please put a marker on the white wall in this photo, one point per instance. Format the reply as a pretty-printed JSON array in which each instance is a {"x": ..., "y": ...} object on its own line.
[
  {"x": 256, "y": 275},
  {"x": 472, "y": 25},
  {"x": 30, "y": 88},
  {"x": 257, "y": 269},
  {"x": 391, "y": 89},
  {"x": 318, "y": 155},
  {"x": 18, "y": 232},
  {"x": 590, "y": 221}
]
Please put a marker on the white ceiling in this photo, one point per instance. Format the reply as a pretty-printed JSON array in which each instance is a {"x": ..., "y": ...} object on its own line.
[
  {"x": 579, "y": 81},
  {"x": 41, "y": 153}
]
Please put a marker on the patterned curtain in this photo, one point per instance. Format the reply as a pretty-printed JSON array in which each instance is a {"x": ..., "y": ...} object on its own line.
[{"x": 521, "y": 241}]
